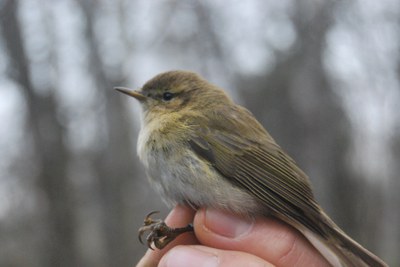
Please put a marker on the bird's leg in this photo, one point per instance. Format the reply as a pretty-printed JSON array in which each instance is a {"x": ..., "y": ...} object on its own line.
[{"x": 160, "y": 233}]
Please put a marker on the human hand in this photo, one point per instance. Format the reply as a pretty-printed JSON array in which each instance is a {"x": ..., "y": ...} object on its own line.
[{"x": 222, "y": 239}]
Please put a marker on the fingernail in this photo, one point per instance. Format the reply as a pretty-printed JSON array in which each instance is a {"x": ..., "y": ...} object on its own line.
[
  {"x": 189, "y": 256},
  {"x": 226, "y": 224}
]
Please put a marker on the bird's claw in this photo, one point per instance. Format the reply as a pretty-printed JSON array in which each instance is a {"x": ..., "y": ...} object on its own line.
[{"x": 160, "y": 233}]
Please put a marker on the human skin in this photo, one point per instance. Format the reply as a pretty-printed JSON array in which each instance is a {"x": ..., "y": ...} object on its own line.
[{"x": 222, "y": 239}]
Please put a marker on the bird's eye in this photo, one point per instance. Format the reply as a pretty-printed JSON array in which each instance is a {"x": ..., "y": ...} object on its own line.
[{"x": 167, "y": 96}]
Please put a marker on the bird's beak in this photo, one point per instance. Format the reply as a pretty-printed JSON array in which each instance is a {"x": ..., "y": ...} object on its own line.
[{"x": 134, "y": 93}]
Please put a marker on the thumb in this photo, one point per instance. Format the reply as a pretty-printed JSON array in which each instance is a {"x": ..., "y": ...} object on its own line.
[{"x": 267, "y": 238}]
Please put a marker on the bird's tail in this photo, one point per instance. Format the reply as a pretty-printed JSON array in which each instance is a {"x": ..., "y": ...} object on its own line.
[{"x": 340, "y": 249}]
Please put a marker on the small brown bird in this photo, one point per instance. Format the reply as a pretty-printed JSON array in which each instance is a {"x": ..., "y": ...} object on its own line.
[{"x": 203, "y": 150}]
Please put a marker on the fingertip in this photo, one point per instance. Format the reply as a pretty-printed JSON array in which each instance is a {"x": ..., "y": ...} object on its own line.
[
  {"x": 148, "y": 260},
  {"x": 181, "y": 256},
  {"x": 180, "y": 215},
  {"x": 200, "y": 256},
  {"x": 223, "y": 224},
  {"x": 213, "y": 226}
]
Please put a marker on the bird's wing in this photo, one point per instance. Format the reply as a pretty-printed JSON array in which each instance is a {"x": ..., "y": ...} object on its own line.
[{"x": 261, "y": 168}]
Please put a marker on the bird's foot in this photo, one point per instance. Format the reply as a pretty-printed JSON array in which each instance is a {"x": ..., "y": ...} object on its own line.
[{"x": 160, "y": 233}]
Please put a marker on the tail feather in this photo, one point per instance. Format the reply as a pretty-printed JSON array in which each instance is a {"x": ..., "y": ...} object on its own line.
[{"x": 339, "y": 249}]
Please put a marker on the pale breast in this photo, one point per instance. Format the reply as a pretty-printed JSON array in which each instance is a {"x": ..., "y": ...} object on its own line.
[{"x": 182, "y": 177}]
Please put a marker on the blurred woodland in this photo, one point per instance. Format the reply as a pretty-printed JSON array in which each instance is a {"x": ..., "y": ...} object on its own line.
[{"x": 322, "y": 76}]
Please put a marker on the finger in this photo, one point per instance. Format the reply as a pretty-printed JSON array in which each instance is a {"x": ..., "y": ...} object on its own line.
[
  {"x": 200, "y": 256},
  {"x": 180, "y": 216},
  {"x": 267, "y": 238}
]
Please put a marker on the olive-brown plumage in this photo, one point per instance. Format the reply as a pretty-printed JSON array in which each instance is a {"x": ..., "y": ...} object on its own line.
[{"x": 201, "y": 149}]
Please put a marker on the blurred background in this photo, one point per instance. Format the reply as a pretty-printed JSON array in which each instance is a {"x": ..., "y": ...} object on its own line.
[{"x": 322, "y": 76}]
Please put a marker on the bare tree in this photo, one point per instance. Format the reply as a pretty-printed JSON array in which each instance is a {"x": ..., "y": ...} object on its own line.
[
  {"x": 114, "y": 164},
  {"x": 51, "y": 155}
]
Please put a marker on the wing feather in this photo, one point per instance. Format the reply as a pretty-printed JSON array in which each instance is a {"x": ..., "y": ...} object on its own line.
[{"x": 261, "y": 167}]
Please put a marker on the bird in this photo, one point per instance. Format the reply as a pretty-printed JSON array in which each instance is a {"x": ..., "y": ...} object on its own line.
[{"x": 201, "y": 149}]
